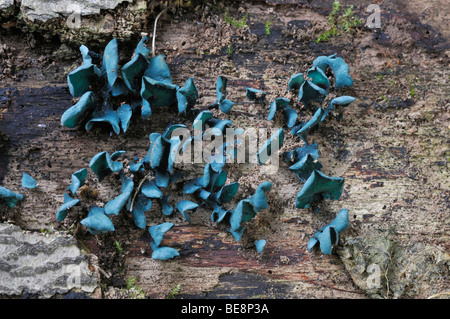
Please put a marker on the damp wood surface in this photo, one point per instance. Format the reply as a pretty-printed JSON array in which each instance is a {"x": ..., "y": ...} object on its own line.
[{"x": 391, "y": 145}]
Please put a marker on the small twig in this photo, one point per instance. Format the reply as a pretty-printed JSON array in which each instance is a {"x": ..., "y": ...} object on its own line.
[
  {"x": 439, "y": 294},
  {"x": 154, "y": 31},
  {"x": 104, "y": 272},
  {"x": 138, "y": 189}
]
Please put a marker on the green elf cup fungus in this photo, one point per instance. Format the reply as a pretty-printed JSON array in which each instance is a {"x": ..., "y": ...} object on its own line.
[
  {"x": 102, "y": 164},
  {"x": 187, "y": 96},
  {"x": 281, "y": 103},
  {"x": 165, "y": 253},
  {"x": 304, "y": 167},
  {"x": 113, "y": 207},
  {"x": 219, "y": 214},
  {"x": 260, "y": 244},
  {"x": 341, "y": 101},
  {"x": 255, "y": 94},
  {"x": 150, "y": 190},
  {"x": 310, "y": 92},
  {"x": 134, "y": 70},
  {"x": 319, "y": 186},
  {"x": 303, "y": 130},
  {"x": 108, "y": 116},
  {"x": 78, "y": 179},
  {"x": 237, "y": 234},
  {"x": 124, "y": 112},
  {"x": 161, "y": 253},
  {"x": 74, "y": 115},
  {"x": 339, "y": 68},
  {"x": 97, "y": 222},
  {"x": 69, "y": 202},
  {"x": 247, "y": 209},
  {"x": 157, "y": 232},
  {"x": 328, "y": 235},
  {"x": 80, "y": 79},
  {"x": 28, "y": 181},
  {"x": 319, "y": 78},
  {"x": 10, "y": 197},
  {"x": 278, "y": 104},
  {"x": 227, "y": 193},
  {"x": 184, "y": 206},
  {"x": 296, "y": 81},
  {"x": 158, "y": 69},
  {"x": 221, "y": 92},
  {"x": 142, "y": 204},
  {"x": 265, "y": 152},
  {"x": 156, "y": 93},
  {"x": 111, "y": 62},
  {"x": 299, "y": 152},
  {"x": 166, "y": 208}
]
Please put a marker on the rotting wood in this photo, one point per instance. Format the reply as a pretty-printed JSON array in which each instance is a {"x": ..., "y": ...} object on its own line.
[{"x": 401, "y": 148}]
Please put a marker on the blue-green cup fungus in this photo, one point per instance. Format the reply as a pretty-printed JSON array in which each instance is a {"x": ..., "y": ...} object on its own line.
[
  {"x": 260, "y": 244},
  {"x": 247, "y": 208},
  {"x": 114, "y": 206},
  {"x": 74, "y": 115},
  {"x": 319, "y": 186},
  {"x": 80, "y": 79},
  {"x": 319, "y": 78},
  {"x": 97, "y": 222},
  {"x": 187, "y": 96},
  {"x": 184, "y": 206},
  {"x": 11, "y": 198},
  {"x": 255, "y": 95},
  {"x": 339, "y": 68},
  {"x": 305, "y": 166},
  {"x": 141, "y": 205},
  {"x": 302, "y": 130},
  {"x": 265, "y": 152},
  {"x": 328, "y": 235},
  {"x": 157, "y": 233},
  {"x": 78, "y": 180},
  {"x": 310, "y": 92},
  {"x": 28, "y": 181},
  {"x": 102, "y": 164},
  {"x": 107, "y": 116},
  {"x": 296, "y": 81},
  {"x": 338, "y": 101},
  {"x": 298, "y": 153},
  {"x": 69, "y": 202},
  {"x": 281, "y": 103},
  {"x": 224, "y": 104}
]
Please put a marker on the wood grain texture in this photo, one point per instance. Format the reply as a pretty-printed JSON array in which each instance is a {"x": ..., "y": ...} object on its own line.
[{"x": 393, "y": 153}]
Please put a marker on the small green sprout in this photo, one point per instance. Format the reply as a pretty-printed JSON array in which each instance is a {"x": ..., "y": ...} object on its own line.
[
  {"x": 46, "y": 231},
  {"x": 134, "y": 291},
  {"x": 239, "y": 24},
  {"x": 174, "y": 291},
  {"x": 267, "y": 27},
  {"x": 118, "y": 247},
  {"x": 230, "y": 49},
  {"x": 339, "y": 20},
  {"x": 412, "y": 87},
  {"x": 131, "y": 282}
]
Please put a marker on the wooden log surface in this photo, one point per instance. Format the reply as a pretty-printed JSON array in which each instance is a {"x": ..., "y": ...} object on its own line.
[{"x": 391, "y": 145}]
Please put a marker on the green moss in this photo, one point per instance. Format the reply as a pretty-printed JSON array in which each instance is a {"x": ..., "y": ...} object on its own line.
[
  {"x": 339, "y": 20},
  {"x": 237, "y": 23},
  {"x": 174, "y": 291},
  {"x": 268, "y": 25}
]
